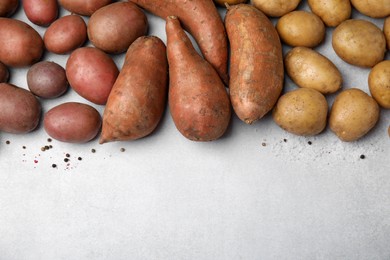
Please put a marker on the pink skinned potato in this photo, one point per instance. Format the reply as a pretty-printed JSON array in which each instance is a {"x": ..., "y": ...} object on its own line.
[
  {"x": 8, "y": 7},
  {"x": 41, "y": 12}
]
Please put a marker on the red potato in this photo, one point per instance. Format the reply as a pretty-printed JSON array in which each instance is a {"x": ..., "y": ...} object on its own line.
[
  {"x": 202, "y": 20},
  {"x": 41, "y": 12},
  {"x": 65, "y": 34},
  {"x": 20, "y": 110},
  {"x": 20, "y": 44},
  {"x": 138, "y": 98},
  {"x": 8, "y": 7},
  {"x": 198, "y": 101},
  {"x": 256, "y": 62},
  {"x": 91, "y": 73},
  {"x": 83, "y": 7},
  {"x": 4, "y": 73},
  {"x": 72, "y": 122}
]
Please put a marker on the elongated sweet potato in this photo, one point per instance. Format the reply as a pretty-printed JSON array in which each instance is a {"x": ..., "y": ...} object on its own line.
[
  {"x": 202, "y": 20},
  {"x": 198, "y": 101},
  {"x": 138, "y": 97},
  {"x": 256, "y": 62}
]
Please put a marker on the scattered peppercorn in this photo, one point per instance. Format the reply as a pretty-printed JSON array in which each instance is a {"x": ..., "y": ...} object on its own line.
[
  {"x": 67, "y": 155},
  {"x": 79, "y": 158},
  {"x": 7, "y": 142},
  {"x": 49, "y": 140},
  {"x": 285, "y": 140},
  {"x": 123, "y": 149},
  {"x": 24, "y": 147},
  {"x": 93, "y": 150},
  {"x": 309, "y": 142},
  {"x": 54, "y": 165},
  {"x": 362, "y": 156},
  {"x": 66, "y": 160},
  {"x": 263, "y": 144}
]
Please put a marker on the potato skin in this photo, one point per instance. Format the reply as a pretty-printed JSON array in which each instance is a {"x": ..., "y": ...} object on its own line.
[
  {"x": 84, "y": 7},
  {"x": 331, "y": 12},
  {"x": 256, "y": 62},
  {"x": 8, "y": 7},
  {"x": 276, "y": 8},
  {"x": 302, "y": 111},
  {"x": 65, "y": 34},
  {"x": 4, "y": 73},
  {"x": 359, "y": 42},
  {"x": 20, "y": 110},
  {"x": 353, "y": 114},
  {"x": 72, "y": 122},
  {"x": 372, "y": 8},
  {"x": 198, "y": 101},
  {"x": 230, "y": 2},
  {"x": 91, "y": 73},
  {"x": 20, "y": 44},
  {"x": 137, "y": 100},
  {"x": 386, "y": 31},
  {"x": 309, "y": 69},
  {"x": 41, "y": 12},
  {"x": 379, "y": 83},
  {"x": 109, "y": 30},
  {"x": 301, "y": 28}
]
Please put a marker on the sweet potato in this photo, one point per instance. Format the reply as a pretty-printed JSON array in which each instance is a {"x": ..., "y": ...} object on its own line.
[
  {"x": 256, "y": 62},
  {"x": 138, "y": 98},
  {"x": 202, "y": 20},
  {"x": 198, "y": 101}
]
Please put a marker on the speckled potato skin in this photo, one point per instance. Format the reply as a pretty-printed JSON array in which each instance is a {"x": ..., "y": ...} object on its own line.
[
  {"x": 138, "y": 98},
  {"x": 309, "y": 69},
  {"x": 202, "y": 20},
  {"x": 41, "y": 12},
  {"x": 8, "y": 7},
  {"x": 379, "y": 83},
  {"x": 83, "y": 7},
  {"x": 372, "y": 8},
  {"x": 359, "y": 42},
  {"x": 20, "y": 44},
  {"x": 230, "y": 2},
  {"x": 4, "y": 73},
  {"x": 276, "y": 8},
  {"x": 302, "y": 111},
  {"x": 301, "y": 28},
  {"x": 20, "y": 110},
  {"x": 331, "y": 12},
  {"x": 198, "y": 101},
  {"x": 353, "y": 114},
  {"x": 256, "y": 62},
  {"x": 386, "y": 31},
  {"x": 72, "y": 122}
]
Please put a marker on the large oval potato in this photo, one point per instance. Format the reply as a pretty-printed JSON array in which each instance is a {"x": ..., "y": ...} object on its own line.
[
  {"x": 276, "y": 8},
  {"x": 372, "y": 8},
  {"x": 91, "y": 73},
  {"x": 309, "y": 69},
  {"x": 359, "y": 42},
  {"x": 20, "y": 44},
  {"x": 65, "y": 34},
  {"x": 83, "y": 7},
  {"x": 353, "y": 114},
  {"x": 109, "y": 30},
  {"x": 20, "y": 110},
  {"x": 301, "y": 28},
  {"x": 41, "y": 12},
  {"x": 386, "y": 31},
  {"x": 72, "y": 122},
  {"x": 331, "y": 12},
  {"x": 4, "y": 73},
  {"x": 379, "y": 83},
  {"x": 8, "y": 7}
]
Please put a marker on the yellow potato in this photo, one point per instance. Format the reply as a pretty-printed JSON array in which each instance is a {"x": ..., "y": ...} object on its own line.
[
  {"x": 386, "y": 31},
  {"x": 331, "y": 12},
  {"x": 372, "y": 8},
  {"x": 353, "y": 114},
  {"x": 301, "y": 28},
  {"x": 302, "y": 111},
  {"x": 359, "y": 42},
  {"x": 309, "y": 69},
  {"x": 276, "y": 8},
  {"x": 379, "y": 83}
]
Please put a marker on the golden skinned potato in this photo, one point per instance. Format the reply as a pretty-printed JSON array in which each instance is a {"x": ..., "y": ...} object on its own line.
[
  {"x": 309, "y": 69},
  {"x": 331, "y": 12},
  {"x": 379, "y": 83},
  {"x": 359, "y": 42},
  {"x": 230, "y": 2},
  {"x": 386, "y": 31},
  {"x": 276, "y": 8},
  {"x": 302, "y": 111},
  {"x": 301, "y": 28},
  {"x": 353, "y": 114},
  {"x": 372, "y": 8}
]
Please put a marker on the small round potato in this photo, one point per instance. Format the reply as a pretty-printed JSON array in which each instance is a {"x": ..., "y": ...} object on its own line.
[
  {"x": 372, "y": 8},
  {"x": 359, "y": 42},
  {"x": 386, "y": 31},
  {"x": 309, "y": 69},
  {"x": 276, "y": 8},
  {"x": 8, "y": 7},
  {"x": 41, "y": 12},
  {"x": 4, "y": 73},
  {"x": 230, "y": 2},
  {"x": 47, "y": 79},
  {"x": 108, "y": 28},
  {"x": 302, "y": 111},
  {"x": 301, "y": 28},
  {"x": 72, "y": 122},
  {"x": 331, "y": 12},
  {"x": 83, "y": 7},
  {"x": 353, "y": 114},
  {"x": 379, "y": 83},
  {"x": 65, "y": 34}
]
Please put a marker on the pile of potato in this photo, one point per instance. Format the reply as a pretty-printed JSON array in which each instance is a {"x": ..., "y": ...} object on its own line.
[{"x": 241, "y": 68}]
